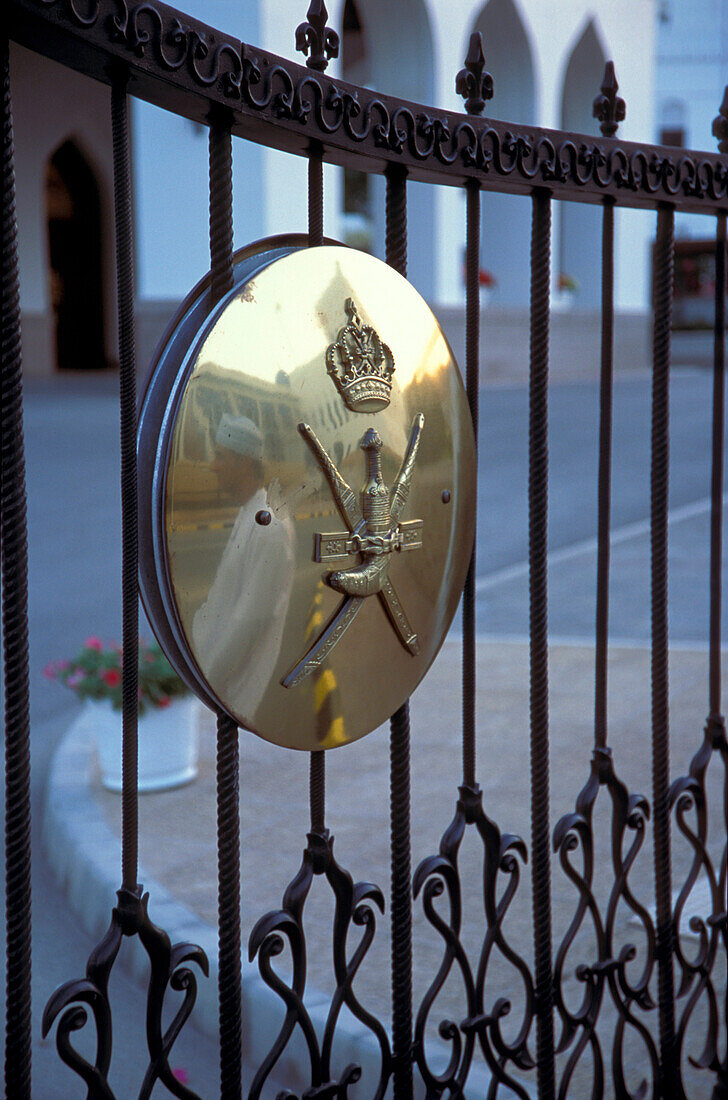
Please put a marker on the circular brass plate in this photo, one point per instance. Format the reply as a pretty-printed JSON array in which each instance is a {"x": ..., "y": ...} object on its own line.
[{"x": 253, "y": 522}]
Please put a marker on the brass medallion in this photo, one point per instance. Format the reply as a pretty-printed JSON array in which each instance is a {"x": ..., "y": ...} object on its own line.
[{"x": 307, "y": 461}]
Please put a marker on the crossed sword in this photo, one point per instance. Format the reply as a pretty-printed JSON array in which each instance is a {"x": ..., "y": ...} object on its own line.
[{"x": 375, "y": 532}]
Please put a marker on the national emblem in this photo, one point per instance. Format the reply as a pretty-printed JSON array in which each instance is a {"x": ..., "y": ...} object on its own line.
[{"x": 251, "y": 437}]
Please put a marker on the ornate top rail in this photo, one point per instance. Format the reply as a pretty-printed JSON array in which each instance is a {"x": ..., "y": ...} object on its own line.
[{"x": 186, "y": 66}]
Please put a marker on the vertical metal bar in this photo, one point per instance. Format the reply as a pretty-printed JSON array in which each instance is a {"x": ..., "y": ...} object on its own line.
[
  {"x": 399, "y": 756},
  {"x": 317, "y": 766},
  {"x": 317, "y": 791},
  {"x": 604, "y": 477},
  {"x": 716, "y": 492},
  {"x": 14, "y": 559},
  {"x": 472, "y": 370},
  {"x": 659, "y": 486},
  {"x": 228, "y": 760},
  {"x": 229, "y": 936},
  {"x": 315, "y": 196},
  {"x": 539, "y": 692},
  {"x": 221, "y": 211},
  {"x": 129, "y": 539}
]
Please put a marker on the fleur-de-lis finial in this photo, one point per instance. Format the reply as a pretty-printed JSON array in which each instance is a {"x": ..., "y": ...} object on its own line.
[
  {"x": 609, "y": 108},
  {"x": 472, "y": 82},
  {"x": 316, "y": 39},
  {"x": 720, "y": 124}
]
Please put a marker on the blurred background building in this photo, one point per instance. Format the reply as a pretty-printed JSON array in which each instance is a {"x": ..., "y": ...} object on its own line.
[{"x": 547, "y": 61}]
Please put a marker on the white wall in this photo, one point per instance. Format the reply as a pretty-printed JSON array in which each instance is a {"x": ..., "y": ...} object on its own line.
[
  {"x": 270, "y": 187},
  {"x": 692, "y": 71},
  {"x": 171, "y": 166}
]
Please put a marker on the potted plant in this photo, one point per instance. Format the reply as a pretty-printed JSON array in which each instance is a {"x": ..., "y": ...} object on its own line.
[{"x": 167, "y": 727}]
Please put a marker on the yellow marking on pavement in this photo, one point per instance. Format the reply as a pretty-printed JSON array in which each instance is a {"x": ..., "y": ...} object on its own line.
[
  {"x": 314, "y": 623},
  {"x": 325, "y": 684}
]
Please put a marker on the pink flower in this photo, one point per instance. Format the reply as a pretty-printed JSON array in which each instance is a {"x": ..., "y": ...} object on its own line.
[
  {"x": 52, "y": 669},
  {"x": 181, "y": 1075},
  {"x": 164, "y": 701},
  {"x": 111, "y": 677},
  {"x": 75, "y": 679},
  {"x": 94, "y": 643}
]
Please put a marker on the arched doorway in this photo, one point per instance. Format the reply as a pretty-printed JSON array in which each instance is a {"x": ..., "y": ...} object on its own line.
[
  {"x": 73, "y": 212},
  {"x": 506, "y": 219},
  {"x": 580, "y": 236},
  {"x": 373, "y": 57}
]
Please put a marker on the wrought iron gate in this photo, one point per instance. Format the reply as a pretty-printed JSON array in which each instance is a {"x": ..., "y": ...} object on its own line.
[{"x": 153, "y": 51}]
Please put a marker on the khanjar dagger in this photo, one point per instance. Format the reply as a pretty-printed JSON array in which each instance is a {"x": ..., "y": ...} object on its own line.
[{"x": 374, "y": 532}]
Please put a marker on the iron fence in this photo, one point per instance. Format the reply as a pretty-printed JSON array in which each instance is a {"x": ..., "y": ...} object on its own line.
[{"x": 154, "y": 52}]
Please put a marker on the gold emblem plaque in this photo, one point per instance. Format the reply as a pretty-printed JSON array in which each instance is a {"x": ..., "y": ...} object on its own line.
[{"x": 318, "y": 498}]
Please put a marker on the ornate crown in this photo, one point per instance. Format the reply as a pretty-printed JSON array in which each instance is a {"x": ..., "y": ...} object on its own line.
[{"x": 360, "y": 365}]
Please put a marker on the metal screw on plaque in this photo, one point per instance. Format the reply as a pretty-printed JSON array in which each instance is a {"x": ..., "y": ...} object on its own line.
[
  {"x": 445, "y": 496},
  {"x": 263, "y": 518}
]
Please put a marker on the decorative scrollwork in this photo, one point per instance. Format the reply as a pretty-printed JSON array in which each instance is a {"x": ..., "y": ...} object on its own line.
[
  {"x": 354, "y": 905},
  {"x": 129, "y": 918},
  {"x": 176, "y": 44},
  {"x": 79, "y": 18},
  {"x": 191, "y": 54},
  {"x": 574, "y": 833},
  {"x": 688, "y": 801},
  {"x": 438, "y": 875}
]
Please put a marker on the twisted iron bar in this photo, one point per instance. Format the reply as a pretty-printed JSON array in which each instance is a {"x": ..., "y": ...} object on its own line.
[
  {"x": 14, "y": 558},
  {"x": 221, "y": 211},
  {"x": 315, "y": 198},
  {"x": 604, "y": 477},
  {"x": 664, "y": 263},
  {"x": 472, "y": 360},
  {"x": 688, "y": 796},
  {"x": 538, "y": 632},
  {"x": 399, "y": 761},
  {"x": 129, "y": 533},
  {"x": 317, "y": 791},
  {"x": 401, "y": 905},
  {"x": 228, "y": 760},
  {"x": 228, "y": 893}
]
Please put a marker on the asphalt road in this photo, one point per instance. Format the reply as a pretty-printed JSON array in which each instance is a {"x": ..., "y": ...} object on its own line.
[{"x": 71, "y": 432}]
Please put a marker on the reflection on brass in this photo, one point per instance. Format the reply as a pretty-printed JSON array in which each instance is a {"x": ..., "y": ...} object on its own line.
[
  {"x": 360, "y": 365},
  {"x": 375, "y": 533},
  {"x": 250, "y": 600}
]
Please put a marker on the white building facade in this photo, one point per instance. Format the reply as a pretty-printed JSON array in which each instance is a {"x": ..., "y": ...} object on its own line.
[
  {"x": 547, "y": 61},
  {"x": 691, "y": 72}
]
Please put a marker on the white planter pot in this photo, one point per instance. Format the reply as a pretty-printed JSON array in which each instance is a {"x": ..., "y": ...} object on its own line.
[{"x": 168, "y": 744}]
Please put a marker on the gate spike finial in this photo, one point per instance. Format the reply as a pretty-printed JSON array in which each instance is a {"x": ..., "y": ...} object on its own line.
[
  {"x": 473, "y": 83},
  {"x": 315, "y": 38},
  {"x": 720, "y": 124},
  {"x": 609, "y": 108}
]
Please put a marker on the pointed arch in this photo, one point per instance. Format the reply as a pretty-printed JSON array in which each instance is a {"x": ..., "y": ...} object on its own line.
[
  {"x": 401, "y": 64},
  {"x": 580, "y": 227},
  {"x": 509, "y": 60},
  {"x": 73, "y": 219},
  {"x": 506, "y": 219}
]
